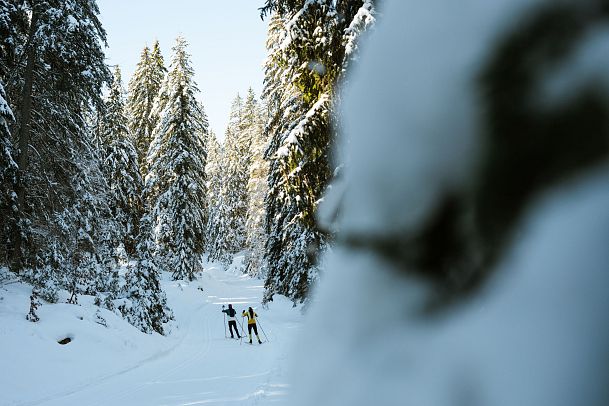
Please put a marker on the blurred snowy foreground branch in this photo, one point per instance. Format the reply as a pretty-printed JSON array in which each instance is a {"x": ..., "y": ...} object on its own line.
[{"x": 472, "y": 226}]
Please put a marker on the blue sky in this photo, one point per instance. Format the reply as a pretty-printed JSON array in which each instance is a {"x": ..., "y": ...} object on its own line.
[{"x": 226, "y": 40}]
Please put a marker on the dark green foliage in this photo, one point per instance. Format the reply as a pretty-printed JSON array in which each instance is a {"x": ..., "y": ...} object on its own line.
[
  {"x": 13, "y": 25},
  {"x": 279, "y": 6},
  {"x": 61, "y": 222},
  {"x": 8, "y": 173},
  {"x": 310, "y": 46}
]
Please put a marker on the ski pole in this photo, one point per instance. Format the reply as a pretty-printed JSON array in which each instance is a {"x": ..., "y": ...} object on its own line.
[
  {"x": 265, "y": 336},
  {"x": 225, "y": 334},
  {"x": 242, "y": 331}
]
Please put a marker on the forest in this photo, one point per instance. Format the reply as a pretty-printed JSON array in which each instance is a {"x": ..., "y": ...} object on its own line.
[
  {"x": 414, "y": 208},
  {"x": 97, "y": 177}
]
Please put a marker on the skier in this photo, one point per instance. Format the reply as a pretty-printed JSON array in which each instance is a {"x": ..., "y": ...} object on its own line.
[
  {"x": 232, "y": 321},
  {"x": 251, "y": 323}
]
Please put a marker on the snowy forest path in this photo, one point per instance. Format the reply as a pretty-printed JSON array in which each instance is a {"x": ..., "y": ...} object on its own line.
[{"x": 201, "y": 366}]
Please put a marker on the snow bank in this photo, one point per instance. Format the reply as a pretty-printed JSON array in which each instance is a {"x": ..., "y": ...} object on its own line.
[{"x": 41, "y": 368}]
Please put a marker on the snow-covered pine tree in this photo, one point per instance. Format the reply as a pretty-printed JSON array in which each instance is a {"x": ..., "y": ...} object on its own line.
[
  {"x": 286, "y": 266},
  {"x": 213, "y": 171},
  {"x": 220, "y": 245},
  {"x": 8, "y": 169},
  {"x": 13, "y": 34},
  {"x": 121, "y": 168},
  {"x": 308, "y": 53},
  {"x": 175, "y": 183},
  {"x": 80, "y": 259},
  {"x": 233, "y": 208},
  {"x": 55, "y": 77},
  {"x": 147, "y": 307},
  {"x": 144, "y": 87},
  {"x": 257, "y": 188},
  {"x": 57, "y": 70}
]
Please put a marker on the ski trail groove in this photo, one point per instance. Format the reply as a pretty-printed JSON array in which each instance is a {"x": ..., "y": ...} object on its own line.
[{"x": 198, "y": 355}]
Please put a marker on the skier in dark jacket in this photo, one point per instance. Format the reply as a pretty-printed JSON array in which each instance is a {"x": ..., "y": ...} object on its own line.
[
  {"x": 251, "y": 323},
  {"x": 232, "y": 321}
]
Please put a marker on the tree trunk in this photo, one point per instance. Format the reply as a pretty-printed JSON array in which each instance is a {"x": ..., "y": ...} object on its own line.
[{"x": 24, "y": 140}]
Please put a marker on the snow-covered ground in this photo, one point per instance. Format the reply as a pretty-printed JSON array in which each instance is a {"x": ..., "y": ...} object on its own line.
[{"x": 118, "y": 365}]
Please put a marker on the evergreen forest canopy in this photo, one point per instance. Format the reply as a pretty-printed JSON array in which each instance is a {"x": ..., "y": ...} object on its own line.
[{"x": 102, "y": 194}]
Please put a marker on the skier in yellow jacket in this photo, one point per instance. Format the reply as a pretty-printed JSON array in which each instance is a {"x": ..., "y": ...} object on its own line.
[{"x": 251, "y": 323}]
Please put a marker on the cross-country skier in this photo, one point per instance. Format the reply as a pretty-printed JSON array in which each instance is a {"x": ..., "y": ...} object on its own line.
[
  {"x": 232, "y": 321},
  {"x": 251, "y": 323}
]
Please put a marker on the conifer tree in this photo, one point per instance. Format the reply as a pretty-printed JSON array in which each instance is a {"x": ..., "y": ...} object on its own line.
[
  {"x": 144, "y": 87},
  {"x": 175, "y": 184},
  {"x": 80, "y": 258},
  {"x": 220, "y": 237},
  {"x": 57, "y": 74},
  {"x": 234, "y": 192},
  {"x": 121, "y": 167},
  {"x": 213, "y": 171},
  {"x": 257, "y": 188},
  {"x": 56, "y": 70},
  {"x": 228, "y": 227},
  {"x": 8, "y": 170},
  {"x": 310, "y": 44},
  {"x": 285, "y": 258},
  {"x": 147, "y": 307}
]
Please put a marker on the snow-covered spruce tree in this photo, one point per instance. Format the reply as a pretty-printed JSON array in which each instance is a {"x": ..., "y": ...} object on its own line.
[
  {"x": 310, "y": 43},
  {"x": 220, "y": 238},
  {"x": 121, "y": 168},
  {"x": 13, "y": 34},
  {"x": 82, "y": 236},
  {"x": 144, "y": 87},
  {"x": 213, "y": 171},
  {"x": 56, "y": 77},
  {"x": 175, "y": 183},
  {"x": 8, "y": 172},
  {"x": 257, "y": 187},
  {"x": 230, "y": 238},
  {"x": 285, "y": 107},
  {"x": 147, "y": 307},
  {"x": 9, "y": 39}
]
